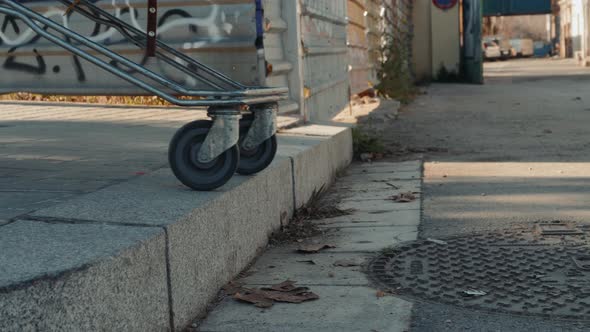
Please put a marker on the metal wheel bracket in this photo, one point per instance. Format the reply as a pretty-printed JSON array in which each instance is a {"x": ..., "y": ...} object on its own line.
[
  {"x": 224, "y": 133},
  {"x": 263, "y": 127}
]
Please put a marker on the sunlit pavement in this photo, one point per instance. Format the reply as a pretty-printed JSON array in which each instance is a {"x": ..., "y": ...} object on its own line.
[
  {"x": 50, "y": 152},
  {"x": 500, "y": 156}
]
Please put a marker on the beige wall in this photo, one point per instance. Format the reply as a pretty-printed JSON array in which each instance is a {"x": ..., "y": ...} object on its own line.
[
  {"x": 436, "y": 39},
  {"x": 528, "y": 26},
  {"x": 445, "y": 39},
  {"x": 422, "y": 42}
]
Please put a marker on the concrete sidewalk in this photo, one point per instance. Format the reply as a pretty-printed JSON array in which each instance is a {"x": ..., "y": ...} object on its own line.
[
  {"x": 348, "y": 299},
  {"x": 99, "y": 235},
  {"x": 498, "y": 157},
  {"x": 53, "y": 152}
]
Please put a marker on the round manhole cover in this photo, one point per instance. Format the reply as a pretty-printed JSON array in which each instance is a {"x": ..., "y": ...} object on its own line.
[{"x": 545, "y": 271}]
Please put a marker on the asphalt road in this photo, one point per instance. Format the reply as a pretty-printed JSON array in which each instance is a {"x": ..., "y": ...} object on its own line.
[{"x": 501, "y": 155}]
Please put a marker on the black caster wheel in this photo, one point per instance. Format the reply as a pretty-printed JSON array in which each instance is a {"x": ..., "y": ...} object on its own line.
[
  {"x": 183, "y": 152},
  {"x": 257, "y": 159}
]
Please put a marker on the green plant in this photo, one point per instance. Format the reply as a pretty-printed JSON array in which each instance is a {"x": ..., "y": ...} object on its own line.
[
  {"x": 395, "y": 75},
  {"x": 443, "y": 75},
  {"x": 301, "y": 226},
  {"x": 365, "y": 143}
]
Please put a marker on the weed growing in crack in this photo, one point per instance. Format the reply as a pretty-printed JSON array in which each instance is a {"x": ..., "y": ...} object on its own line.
[
  {"x": 365, "y": 143},
  {"x": 301, "y": 226}
]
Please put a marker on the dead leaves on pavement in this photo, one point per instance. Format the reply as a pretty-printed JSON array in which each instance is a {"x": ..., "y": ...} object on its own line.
[
  {"x": 314, "y": 248},
  {"x": 347, "y": 263},
  {"x": 407, "y": 197},
  {"x": 266, "y": 296}
]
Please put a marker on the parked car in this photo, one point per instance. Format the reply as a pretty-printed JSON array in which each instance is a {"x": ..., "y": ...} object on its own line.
[
  {"x": 505, "y": 48},
  {"x": 491, "y": 50},
  {"x": 504, "y": 44},
  {"x": 543, "y": 49},
  {"x": 523, "y": 47}
]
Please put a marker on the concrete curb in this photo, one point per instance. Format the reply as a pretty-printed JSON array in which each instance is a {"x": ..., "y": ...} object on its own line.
[{"x": 148, "y": 254}]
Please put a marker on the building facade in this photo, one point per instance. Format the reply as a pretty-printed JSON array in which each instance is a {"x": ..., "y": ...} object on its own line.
[
  {"x": 574, "y": 27},
  {"x": 436, "y": 39}
]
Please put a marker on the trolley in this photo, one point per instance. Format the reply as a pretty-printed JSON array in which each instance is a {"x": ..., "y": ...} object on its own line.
[{"x": 203, "y": 154}]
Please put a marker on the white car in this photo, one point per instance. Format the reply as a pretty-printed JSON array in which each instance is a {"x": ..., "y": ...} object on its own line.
[
  {"x": 491, "y": 50},
  {"x": 503, "y": 43}
]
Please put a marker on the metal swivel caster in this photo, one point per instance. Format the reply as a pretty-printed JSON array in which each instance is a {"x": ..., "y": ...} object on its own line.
[
  {"x": 258, "y": 141},
  {"x": 204, "y": 154}
]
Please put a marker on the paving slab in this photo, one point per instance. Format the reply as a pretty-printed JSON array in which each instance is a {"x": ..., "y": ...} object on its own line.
[
  {"x": 71, "y": 277},
  {"x": 210, "y": 236},
  {"x": 53, "y": 185},
  {"x": 49, "y": 155},
  {"x": 365, "y": 239},
  {"x": 155, "y": 199},
  {"x": 384, "y": 177},
  {"x": 367, "y": 195},
  {"x": 82, "y": 147},
  {"x": 308, "y": 269},
  {"x": 367, "y": 186},
  {"x": 340, "y": 309},
  {"x": 385, "y": 167},
  {"x": 379, "y": 206},
  {"x": 381, "y": 219},
  {"x": 222, "y": 230},
  {"x": 15, "y": 203},
  {"x": 48, "y": 249}
]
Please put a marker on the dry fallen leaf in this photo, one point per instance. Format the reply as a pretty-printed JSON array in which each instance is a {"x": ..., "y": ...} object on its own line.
[
  {"x": 298, "y": 295},
  {"x": 346, "y": 263},
  {"x": 283, "y": 292},
  {"x": 380, "y": 294},
  {"x": 404, "y": 197},
  {"x": 285, "y": 286},
  {"x": 232, "y": 287},
  {"x": 254, "y": 297},
  {"x": 314, "y": 248}
]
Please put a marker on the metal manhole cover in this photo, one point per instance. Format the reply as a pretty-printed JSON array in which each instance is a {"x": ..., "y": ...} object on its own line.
[{"x": 517, "y": 272}]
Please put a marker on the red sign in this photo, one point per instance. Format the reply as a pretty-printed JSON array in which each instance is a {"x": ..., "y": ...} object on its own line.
[{"x": 444, "y": 4}]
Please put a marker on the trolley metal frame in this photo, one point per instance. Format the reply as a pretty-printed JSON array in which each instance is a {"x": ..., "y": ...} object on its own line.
[{"x": 203, "y": 154}]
